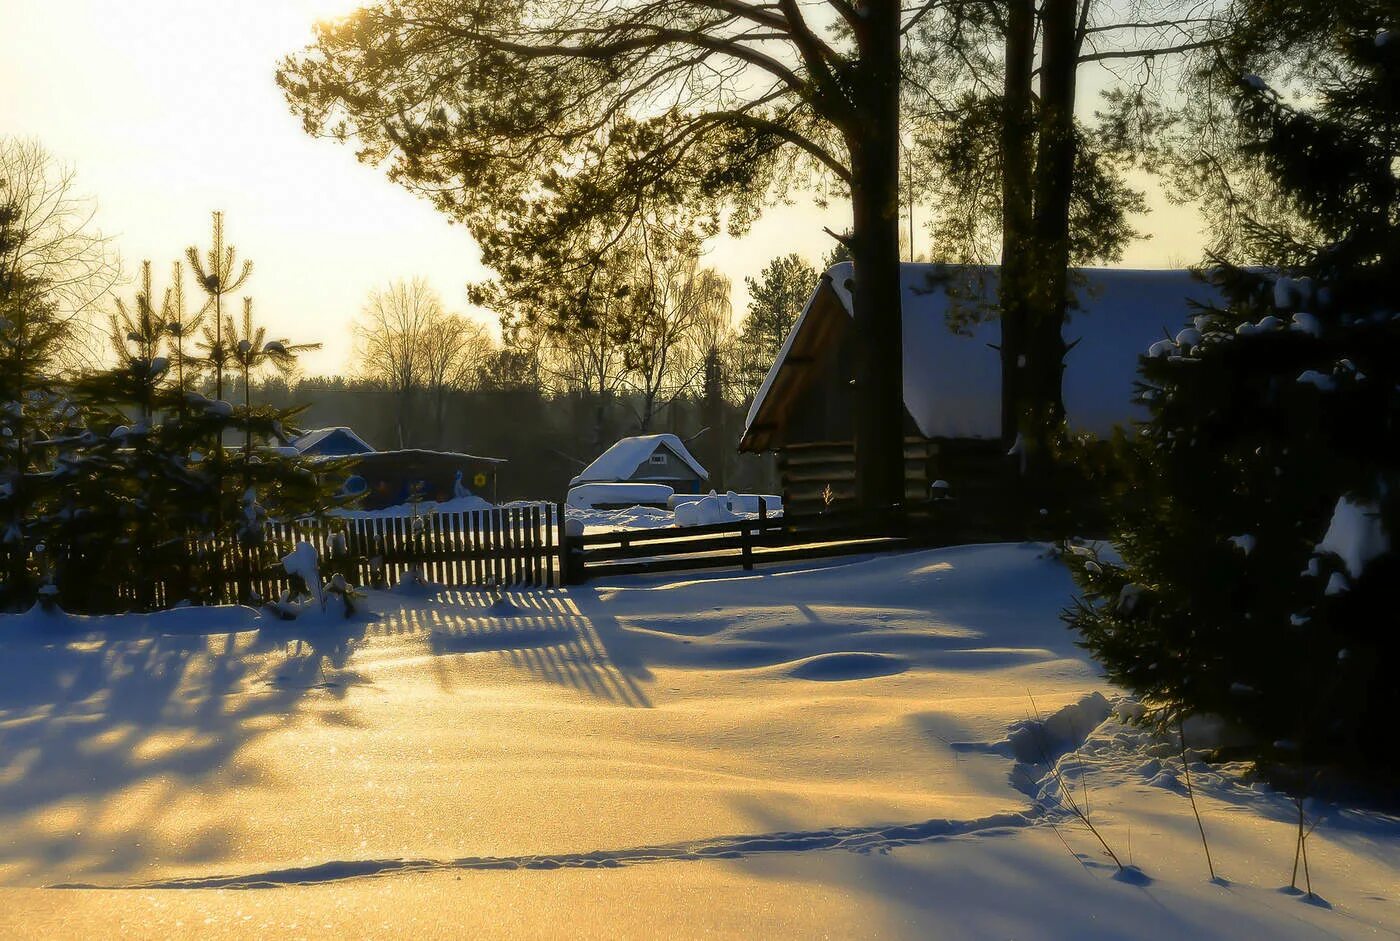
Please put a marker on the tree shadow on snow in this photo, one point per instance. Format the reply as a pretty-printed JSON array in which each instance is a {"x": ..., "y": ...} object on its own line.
[
  {"x": 101, "y": 732},
  {"x": 552, "y": 634}
]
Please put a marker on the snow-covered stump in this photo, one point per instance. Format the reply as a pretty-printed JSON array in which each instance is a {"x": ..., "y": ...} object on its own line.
[
  {"x": 304, "y": 564},
  {"x": 338, "y": 591},
  {"x": 48, "y": 599},
  {"x": 340, "y": 562}
]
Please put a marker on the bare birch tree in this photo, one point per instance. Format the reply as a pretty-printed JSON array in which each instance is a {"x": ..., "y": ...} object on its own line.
[
  {"x": 391, "y": 332},
  {"x": 674, "y": 300},
  {"x": 49, "y": 245},
  {"x": 455, "y": 355}
]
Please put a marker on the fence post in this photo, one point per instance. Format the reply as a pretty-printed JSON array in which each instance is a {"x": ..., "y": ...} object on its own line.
[
  {"x": 565, "y": 562},
  {"x": 746, "y": 548}
]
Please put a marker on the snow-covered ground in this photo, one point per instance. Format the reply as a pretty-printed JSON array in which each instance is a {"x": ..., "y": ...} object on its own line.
[{"x": 847, "y": 749}]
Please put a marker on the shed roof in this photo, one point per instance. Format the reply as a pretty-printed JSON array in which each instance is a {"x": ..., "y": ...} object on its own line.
[
  {"x": 321, "y": 437},
  {"x": 952, "y": 380},
  {"x": 425, "y": 454},
  {"x": 621, "y": 460}
]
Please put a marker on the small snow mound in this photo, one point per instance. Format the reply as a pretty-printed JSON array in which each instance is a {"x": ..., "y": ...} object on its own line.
[
  {"x": 1356, "y": 534},
  {"x": 1306, "y": 323},
  {"x": 1040, "y": 741},
  {"x": 413, "y": 585},
  {"x": 848, "y": 666},
  {"x": 503, "y": 607},
  {"x": 1132, "y": 875},
  {"x": 704, "y": 511},
  {"x": 1321, "y": 380},
  {"x": 1244, "y": 543},
  {"x": 749, "y": 502}
]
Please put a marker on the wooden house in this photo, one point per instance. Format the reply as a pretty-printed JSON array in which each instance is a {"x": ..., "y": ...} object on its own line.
[
  {"x": 952, "y": 375},
  {"x": 649, "y": 459}
]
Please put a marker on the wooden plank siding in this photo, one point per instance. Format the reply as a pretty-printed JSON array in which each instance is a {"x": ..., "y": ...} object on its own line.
[
  {"x": 807, "y": 470},
  {"x": 977, "y": 472}
]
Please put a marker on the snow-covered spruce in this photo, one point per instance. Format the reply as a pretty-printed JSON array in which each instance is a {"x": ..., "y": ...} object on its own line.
[{"x": 1259, "y": 576}]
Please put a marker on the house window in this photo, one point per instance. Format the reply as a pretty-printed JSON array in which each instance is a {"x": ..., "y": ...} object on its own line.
[{"x": 658, "y": 459}]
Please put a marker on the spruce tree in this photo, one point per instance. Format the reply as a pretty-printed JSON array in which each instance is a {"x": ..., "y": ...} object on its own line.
[
  {"x": 776, "y": 298},
  {"x": 1258, "y": 574},
  {"x": 130, "y": 531},
  {"x": 32, "y": 408}
]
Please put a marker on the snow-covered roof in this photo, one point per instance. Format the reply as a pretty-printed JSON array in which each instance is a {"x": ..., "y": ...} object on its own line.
[
  {"x": 425, "y": 454},
  {"x": 620, "y": 461},
  {"x": 590, "y": 495},
  {"x": 952, "y": 381},
  {"x": 335, "y": 440}
]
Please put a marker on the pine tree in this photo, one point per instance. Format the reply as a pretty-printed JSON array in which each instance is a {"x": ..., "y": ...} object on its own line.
[
  {"x": 1258, "y": 578},
  {"x": 142, "y": 513},
  {"x": 32, "y": 408},
  {"x": 180, "y": 325},
  {"x": 218, "y": 273},
  {"x": 776, "y": 298},
  {"x": 125, "y": 481}
]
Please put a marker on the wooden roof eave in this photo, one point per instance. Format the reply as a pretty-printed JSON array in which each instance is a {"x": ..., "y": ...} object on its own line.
[{"x": 825, "y": 319}]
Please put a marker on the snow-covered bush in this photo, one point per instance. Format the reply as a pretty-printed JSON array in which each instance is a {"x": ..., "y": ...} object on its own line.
[
  {"x": 338, "y": 596},
  {"x": 1259, "y": 577},
  {"x": 302, "y": 565}
]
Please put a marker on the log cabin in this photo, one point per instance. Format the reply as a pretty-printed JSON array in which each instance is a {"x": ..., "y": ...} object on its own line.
[{"x": 952, "y": 376}]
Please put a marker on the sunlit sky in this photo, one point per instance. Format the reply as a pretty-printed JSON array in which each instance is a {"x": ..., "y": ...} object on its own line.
[{"x": 168, "y": 110}]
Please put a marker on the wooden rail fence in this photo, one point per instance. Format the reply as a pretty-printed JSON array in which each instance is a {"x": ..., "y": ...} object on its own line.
[
  {"x": 746, "y": 543},
  {"x": 528, "y": 545}
]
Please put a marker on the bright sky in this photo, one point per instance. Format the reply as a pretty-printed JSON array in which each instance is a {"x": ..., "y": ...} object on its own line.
[{"x": 168, "y": 109}]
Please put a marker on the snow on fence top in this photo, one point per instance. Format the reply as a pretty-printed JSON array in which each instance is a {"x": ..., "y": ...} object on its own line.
[
  {"x": 952, "y": 381},
  {"x": 620, "y": 462}
]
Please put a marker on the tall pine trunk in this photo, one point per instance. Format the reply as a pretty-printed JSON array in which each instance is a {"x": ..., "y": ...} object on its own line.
[
  {"x": 1053, "y": 187},
  {"x": 1017, "y": 252},
  {"x": 1046, "y": 294},
  {"x": 878, "y": 329}
]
